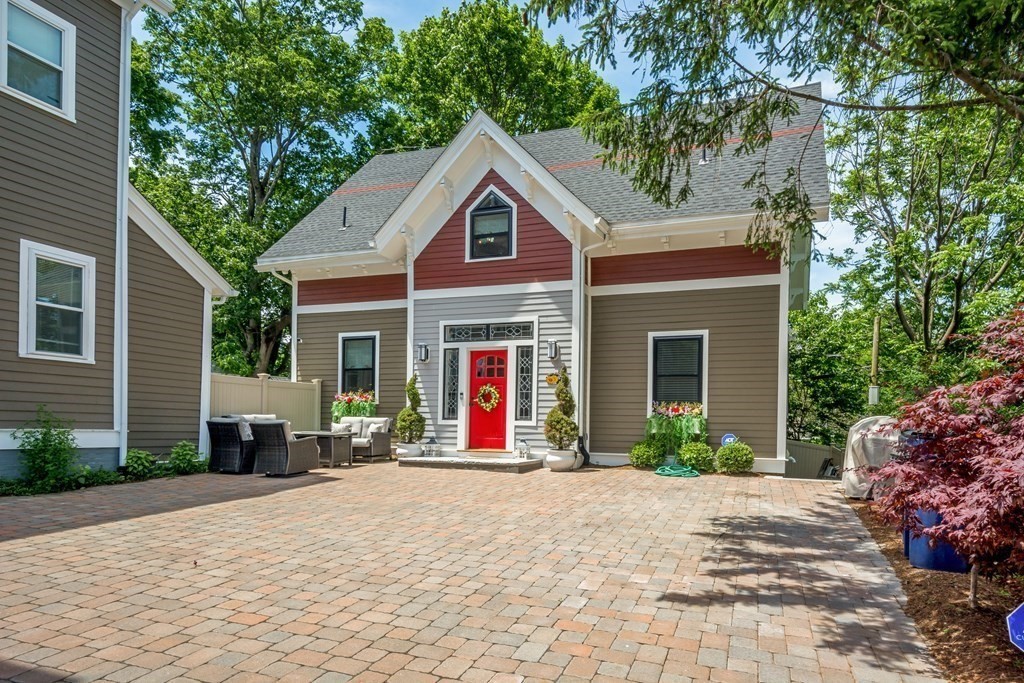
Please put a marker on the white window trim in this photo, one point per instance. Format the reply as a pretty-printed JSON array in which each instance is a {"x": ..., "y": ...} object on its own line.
[
  {"x": 67, "y": 111},
  {"x": 469, "y": 226},
  {"x": 651, "y": 336},
  {"x": 512, "y": 346},
  {"x": 376, "y": 359},
  {"x": 30, "y": 251}
]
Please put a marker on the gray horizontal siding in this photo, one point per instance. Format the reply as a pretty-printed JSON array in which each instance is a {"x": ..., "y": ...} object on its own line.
[
  {"x": 554, "y": 313},
  {"x": 58, "y": 186},
  {"x": 165, "y": 347},
  {"x": 743, "y": 357},
  {"x": 96, "y": 458},
  {"x": 316, "y": 356}
]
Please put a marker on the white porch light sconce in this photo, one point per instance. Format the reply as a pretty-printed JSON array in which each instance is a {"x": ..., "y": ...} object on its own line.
[
  {"x": 422, "y": 353},
  {"x": 552, "y": 349}
]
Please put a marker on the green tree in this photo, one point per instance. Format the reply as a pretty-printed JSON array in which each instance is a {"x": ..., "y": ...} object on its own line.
[
  {"x": 828, "y": 375},
  {"x": 481, "y": 56},
  {"x": 155, "y": 120},
  {"x": 719, "y": 70},
  {"x": 937, "y": 198},
  {"x": 268, "y": 88}
]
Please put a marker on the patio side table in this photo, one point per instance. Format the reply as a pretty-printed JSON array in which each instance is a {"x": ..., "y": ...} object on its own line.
[{"x": 335, "y": 448}]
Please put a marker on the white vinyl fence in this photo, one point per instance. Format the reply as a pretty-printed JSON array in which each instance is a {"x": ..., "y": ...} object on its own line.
[{"x": 298, "y": 402}]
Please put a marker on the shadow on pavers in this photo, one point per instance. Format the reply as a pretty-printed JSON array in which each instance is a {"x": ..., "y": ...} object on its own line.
[{"x": 26, "y": 516}]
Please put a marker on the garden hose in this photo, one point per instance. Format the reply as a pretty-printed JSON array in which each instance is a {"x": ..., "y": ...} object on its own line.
[{"x": 676, "y": 471}]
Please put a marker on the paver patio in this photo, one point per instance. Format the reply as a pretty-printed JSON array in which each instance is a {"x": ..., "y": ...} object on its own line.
[{"x": 378, "y": 573}]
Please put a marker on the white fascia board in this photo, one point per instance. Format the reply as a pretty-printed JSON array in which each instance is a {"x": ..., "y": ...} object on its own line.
[
  {"x": 174, "y": 245},
  {"x": 693, "y": 224},
  {"x": 480, "y": 124},
  {"x": 329, "y": 260}
]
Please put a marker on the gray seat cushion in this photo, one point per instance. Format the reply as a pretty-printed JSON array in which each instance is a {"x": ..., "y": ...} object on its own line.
[{"x": 360, "y": 443}]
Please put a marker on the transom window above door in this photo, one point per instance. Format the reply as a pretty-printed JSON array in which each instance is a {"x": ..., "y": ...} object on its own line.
[{"x": 491, "y": 228}]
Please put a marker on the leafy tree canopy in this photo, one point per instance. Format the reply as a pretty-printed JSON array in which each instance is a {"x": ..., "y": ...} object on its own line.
[
  {"x": 719, "y": 70},
  {"x": 937, "y": 198},
  {"x": 268, "y": 88},
  {"x": 481, "y": 56}
]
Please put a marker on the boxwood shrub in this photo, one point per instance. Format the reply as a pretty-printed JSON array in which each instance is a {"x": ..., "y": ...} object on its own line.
[
  {"x": 735, "y": 457},
  {"x": 647, "y": 453},
  {"x": 699, "y": 456}
]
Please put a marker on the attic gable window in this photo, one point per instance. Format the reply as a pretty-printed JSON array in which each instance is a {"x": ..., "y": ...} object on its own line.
[
  {"x": 491, "y": 227},
  {"x": 37, "y": 56}
]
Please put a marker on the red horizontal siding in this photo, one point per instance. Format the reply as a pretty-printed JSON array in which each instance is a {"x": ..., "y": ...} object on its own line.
[
  {"x": 683, "y": 264},
  {"x": 348, "y": 290},
  {"x": 542, "y": 253}
]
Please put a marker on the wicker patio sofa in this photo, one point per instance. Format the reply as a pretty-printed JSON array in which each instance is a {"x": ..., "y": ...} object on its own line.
[
  {"x": 232, "y": 448},
  {"x": 279, "y": 453},
  {"x": 371, "y": 436}
]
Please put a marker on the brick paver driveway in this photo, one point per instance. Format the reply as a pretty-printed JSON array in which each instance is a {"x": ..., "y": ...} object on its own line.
[{"x": 380, "y": 573}]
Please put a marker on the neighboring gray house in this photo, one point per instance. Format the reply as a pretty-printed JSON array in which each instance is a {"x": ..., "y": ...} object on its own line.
[
  {"x": 104, "y": 308},
  {"x": 487, "y": 265}
]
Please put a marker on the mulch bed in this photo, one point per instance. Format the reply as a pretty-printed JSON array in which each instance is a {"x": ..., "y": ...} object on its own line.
[{"x": 971, "y": 646}]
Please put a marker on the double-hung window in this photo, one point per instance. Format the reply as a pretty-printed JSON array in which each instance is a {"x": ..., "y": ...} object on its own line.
[
  {"x": 359, "y": 361},
  {"x": 491, "y": 228},
  {"x": 57, "y": 307},
  {"x": 677, "y": 368},
  {"x": 37, "y": 56}
]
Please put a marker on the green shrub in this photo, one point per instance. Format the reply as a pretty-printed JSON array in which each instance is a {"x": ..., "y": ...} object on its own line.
[
  {"x": 410, "y": 425},
  {"x": 185, "y": 459},
  {"x": 139, "y": 464},
  {"x": 647, "y": 453},
  {"x": 560, "y": 429},
  {"x": 735, "y": 457},
  {"x": 48, "y": 450},
  {"x": 16, "y": 487},
  {"x": 85, "y": 476},
  {"x": 699, "y": 456}
]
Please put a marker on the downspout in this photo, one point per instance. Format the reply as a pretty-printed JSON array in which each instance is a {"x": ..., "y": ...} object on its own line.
[
  {"x": 585, "y": 328},
  {"x": 120, "y": 398}
]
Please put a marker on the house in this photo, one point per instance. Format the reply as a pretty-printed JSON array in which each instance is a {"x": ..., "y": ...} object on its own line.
[
  {"x": 487, "y": 265},
  {"x": 104, "y": 309}
]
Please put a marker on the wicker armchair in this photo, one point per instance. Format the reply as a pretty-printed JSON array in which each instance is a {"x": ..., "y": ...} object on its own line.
[
  {"x": 229, "y": 450},
  {"x": 279, "y": 453}
]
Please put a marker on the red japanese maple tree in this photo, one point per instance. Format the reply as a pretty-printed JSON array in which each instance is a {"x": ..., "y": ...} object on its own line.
[{"x": 970, "y": 468}]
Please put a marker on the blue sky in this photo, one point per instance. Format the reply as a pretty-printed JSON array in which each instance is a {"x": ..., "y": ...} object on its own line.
[{"x": 628, "y": 77}]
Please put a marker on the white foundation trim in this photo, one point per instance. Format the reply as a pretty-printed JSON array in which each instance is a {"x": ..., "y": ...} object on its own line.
[
  {"x": 311, "y": 309},
  {"x": 85, "y": 438},
  {"x": 495, "y": 290},
  {"x": 688, "y": 285}
]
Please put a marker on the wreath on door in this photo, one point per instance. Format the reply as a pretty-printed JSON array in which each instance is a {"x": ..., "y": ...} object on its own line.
[{"x": 488, "y": 397}]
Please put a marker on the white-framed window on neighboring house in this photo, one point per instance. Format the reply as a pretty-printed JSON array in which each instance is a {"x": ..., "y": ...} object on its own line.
[
  {"x": 491, "y": 227},
  {"x": 677, "y": 367},
  {"x": 57, "y": 313},
  {"x": 37, "y": 56},
  {"x": 359, "y": 362}
]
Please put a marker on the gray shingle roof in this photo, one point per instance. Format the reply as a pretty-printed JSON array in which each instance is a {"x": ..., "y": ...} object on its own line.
[{"x": 376, "y": 190}]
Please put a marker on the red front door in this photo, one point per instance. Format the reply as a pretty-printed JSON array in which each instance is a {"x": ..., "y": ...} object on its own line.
[{"x": 487, "y": 408}]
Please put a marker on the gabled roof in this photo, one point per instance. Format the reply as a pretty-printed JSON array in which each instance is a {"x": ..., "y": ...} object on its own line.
[
  {"x": 370, "y": 197},
  {"x": 174, "y": 245}
]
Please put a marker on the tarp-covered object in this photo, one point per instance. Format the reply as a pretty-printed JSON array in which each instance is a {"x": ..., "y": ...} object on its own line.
[{"x": 869, "y": 445}]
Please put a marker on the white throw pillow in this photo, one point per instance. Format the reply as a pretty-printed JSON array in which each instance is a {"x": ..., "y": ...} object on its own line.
[
  {"x": 375, "y": 428},
  {"x": 341, "y": 428}
]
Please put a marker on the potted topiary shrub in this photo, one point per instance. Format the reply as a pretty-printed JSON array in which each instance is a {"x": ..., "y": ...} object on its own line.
[
  {"x": 560, "y": 429},
  {"x": 410, "y": 425}
]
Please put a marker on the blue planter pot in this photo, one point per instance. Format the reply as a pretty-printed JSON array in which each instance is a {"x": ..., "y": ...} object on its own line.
[{"x": 941, "y": 558}]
